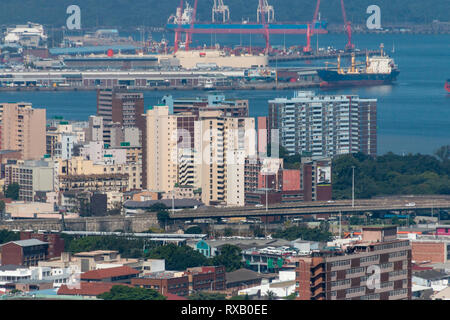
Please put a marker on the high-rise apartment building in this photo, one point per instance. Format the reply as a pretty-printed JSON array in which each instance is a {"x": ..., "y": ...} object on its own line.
[
  {"x": 223, "y": 143},
  {"x": 161, "y": 165},
  {"x": 213, "y": 102},
  {"x": 120, "y": 106},
  {"x": 23, "y": 128},
  {"x": 377, "y": 267},
  {"x": 325, "y": 125}
]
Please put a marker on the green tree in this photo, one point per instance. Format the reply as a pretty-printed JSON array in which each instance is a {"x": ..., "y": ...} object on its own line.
[
  {"x": 193, "y": 230},
  {"x": 270, "y": 295},
  {"x": 304, "y": 233},
  {"x": 179, "y": 258},
  {"x": 230, "y": 256},
  {"x": 206, "y": 296},
  {"x": 128, "y": 293},
  {"x": 7, "y": 236},
  {"x": 241, "y": 297},
  {"x": 12, "y": 191},
  {"x": 228, "y": 232}
]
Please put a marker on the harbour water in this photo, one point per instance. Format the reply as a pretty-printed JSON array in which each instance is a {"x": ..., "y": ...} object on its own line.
[{"x": 413, "y": 113}]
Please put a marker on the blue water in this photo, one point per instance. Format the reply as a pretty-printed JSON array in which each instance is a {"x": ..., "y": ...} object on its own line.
[{"x": 413, "y": 114}]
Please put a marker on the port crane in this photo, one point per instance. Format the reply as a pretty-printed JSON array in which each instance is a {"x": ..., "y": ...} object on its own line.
[
  {"x": 220, "y": 9},
  {"x": 348, "y": 28},
  {"x": 347, "y": 25},
  {"x": 265, "y": 9}
]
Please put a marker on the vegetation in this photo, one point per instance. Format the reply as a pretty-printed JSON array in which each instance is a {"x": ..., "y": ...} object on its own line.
[
  {"x": 206, "y": 296},
  {"x": 161, "y": 213},
  {"x": 304, "y": 233},
  {"x": 12, "y": 191},
  {"x": 230, "y": 257},
  {"x": 155, "y": 13},
  {"x": 129, "y": 293},
  {"x": 194, "y": 230},
  {"x": 7, "y": 236},
  {"x": 179, "y": 258},
  {"x": 241, "y": 297},
  {"x": 391, "y": 174},
  {"x": 2, "y": 206},
  {"x": 128, "y": 248}
]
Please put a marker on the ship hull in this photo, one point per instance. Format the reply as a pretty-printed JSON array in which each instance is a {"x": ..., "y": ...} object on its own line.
[{"x": 331, "y": 78}]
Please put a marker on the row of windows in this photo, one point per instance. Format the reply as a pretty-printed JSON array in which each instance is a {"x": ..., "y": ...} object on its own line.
[
  {"x": 340, "y": 283},
  {"x": 370, "y": 258},
  {"x": 398, "y": 292},
  {"x": 355, "y": 270},
  {"x": 397, "y": 254},
  {"x": 371, "y": 297},
  {"x": 398, "y": 273},
  {"x": 340, "y": 263},
  {"x": 355, "y": 290},
  {"x": 392, "y": 245}
]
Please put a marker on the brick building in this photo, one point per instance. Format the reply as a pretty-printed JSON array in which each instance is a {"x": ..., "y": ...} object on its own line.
[
  {"x": 430, "y": 251},
  {"x": 346, "y": 273},
  {"x": 166, "y": 282},
  {"x": 24, "y": 252},
  {"x": 55, "y": 243},
  {"x": 206, "y": 278},
  {"x": 123, "y": 274}
]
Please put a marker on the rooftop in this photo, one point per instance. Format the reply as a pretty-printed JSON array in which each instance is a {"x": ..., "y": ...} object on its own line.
[
  {"x": 431, "y": 275},
  {"x": 86, "y": 289},
  {"x": 242, "y": 275},
  {"x": 109, "y": 273},
  {"x": 27, "y": 243}
]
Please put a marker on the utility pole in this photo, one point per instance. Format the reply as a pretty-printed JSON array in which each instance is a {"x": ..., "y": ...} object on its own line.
[{"x": 340, "y": 225}]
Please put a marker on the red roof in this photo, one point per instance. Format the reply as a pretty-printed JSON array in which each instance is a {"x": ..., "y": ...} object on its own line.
[
  {"x": 87, "y": 289},
  {"x": 419, "y": 268},
  {"x": 109, "y": 273},
  {"x": 171, "y": 296}
]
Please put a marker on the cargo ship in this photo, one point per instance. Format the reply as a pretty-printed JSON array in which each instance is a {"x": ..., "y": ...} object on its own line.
[
  {"x": 447, "y": 85},
  {"x": 376, "y": 70}
]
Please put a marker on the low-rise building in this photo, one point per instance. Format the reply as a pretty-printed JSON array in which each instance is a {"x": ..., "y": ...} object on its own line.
[{"x": 24, "y": 252}]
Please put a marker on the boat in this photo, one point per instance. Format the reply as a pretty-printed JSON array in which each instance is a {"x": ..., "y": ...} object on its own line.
[
  {"x": 447, "y": 85},
  {"x": 377, "y": 70}
]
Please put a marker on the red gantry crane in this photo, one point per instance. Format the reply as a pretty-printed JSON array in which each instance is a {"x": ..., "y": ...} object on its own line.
[
  {"x": 348, "y": 28},
  {"x": 347, "y": 25}
]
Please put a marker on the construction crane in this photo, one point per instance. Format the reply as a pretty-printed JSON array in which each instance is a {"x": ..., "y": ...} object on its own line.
[
  {"x": 220, "y": 9},
  {"x": 263, "y": 9},
  {"x": 348, "y": 29}
]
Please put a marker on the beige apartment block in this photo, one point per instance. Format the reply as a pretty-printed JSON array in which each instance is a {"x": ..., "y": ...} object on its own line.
[
  {"x": 223, "y": 144},
  {"x": 162, "y": 163},
  {"x": 23, "y": 128}
]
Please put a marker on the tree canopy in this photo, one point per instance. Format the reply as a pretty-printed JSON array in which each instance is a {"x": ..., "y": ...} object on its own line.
[
  {"x": 304, "y": 233},
  {"x": 391, "y": 174},
  {"x": 128, "y": 293},
  {"x": 179, "y": 258},
  {"x": 12, "y": 191},
  {"x": 7, "y": 236},
  {"x": 230, "y": 257}
]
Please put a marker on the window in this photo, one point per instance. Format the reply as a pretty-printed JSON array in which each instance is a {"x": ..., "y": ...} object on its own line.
[
  {"x": 370, "y": 258},
  {"x": 340, "y": 263}
]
